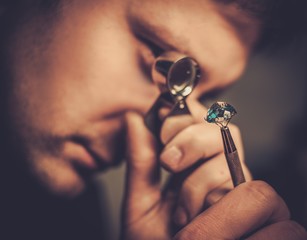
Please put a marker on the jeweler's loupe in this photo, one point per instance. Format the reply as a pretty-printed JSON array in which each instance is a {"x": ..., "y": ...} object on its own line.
[{"x": 176, "y": 75}]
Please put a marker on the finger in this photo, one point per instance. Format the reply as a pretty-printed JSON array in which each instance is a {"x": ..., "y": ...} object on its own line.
[
  {"x": 142, "y": 175},
  {"x": 217, "y": 193},
  {"x": 285, "y": 230},
  {"x": 243, "y": 210},
  {"x": 193, "y": 143},
  {"x": 220, "y": 191},
  {"x": 199, "y": 141},
  {"x": 174, "y": 124},
  {"x": 198, "y": 111},
  {"x": 211, "y": 175},
  {"x": 196, "y": 186}
]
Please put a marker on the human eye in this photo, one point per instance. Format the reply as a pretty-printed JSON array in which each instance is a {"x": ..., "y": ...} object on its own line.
[{"x": 155, "y": 49}]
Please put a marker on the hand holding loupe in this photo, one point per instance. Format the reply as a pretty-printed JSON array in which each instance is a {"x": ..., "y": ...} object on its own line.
[{"x": 176, "y": 75}]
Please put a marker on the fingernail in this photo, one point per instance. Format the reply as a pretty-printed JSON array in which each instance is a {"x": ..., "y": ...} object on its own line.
[
  {"x": 171, "y": 156},
  {"x": 180, "y": 217}
]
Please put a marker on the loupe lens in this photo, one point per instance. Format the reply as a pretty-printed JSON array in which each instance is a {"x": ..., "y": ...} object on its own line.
[{"x": 175, "y": 73}]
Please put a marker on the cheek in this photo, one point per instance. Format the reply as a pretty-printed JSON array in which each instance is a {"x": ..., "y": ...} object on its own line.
[
  {"x": 82, "y": 76},
  {"x": 103, "y": 84},
  {"x": 59, "y": 104},
  {"x": 223, "y": 58}
]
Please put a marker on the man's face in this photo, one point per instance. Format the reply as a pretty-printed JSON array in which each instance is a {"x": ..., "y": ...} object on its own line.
[{"x": 76, "y": 71}]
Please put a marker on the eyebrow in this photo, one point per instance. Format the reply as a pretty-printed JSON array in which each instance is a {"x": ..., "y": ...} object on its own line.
[
  {"x": 157, "y": 34},
  {"x": 243, "y": 25}
]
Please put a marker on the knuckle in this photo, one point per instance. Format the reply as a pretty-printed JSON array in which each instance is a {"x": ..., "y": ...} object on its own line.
[
  {"x": 192, "y": 198},
  {"x": 173, "y": 125},
  {"x": 188, "y": 137},
  {"x": 262, "y": 192},
  {"x": 216, "y": 194},
  {"x": 181, "y": 236},
  {"x": 188, "y": 233},
  {"x": 189, "y": 132},
  {"x": 192, "y": 135},
  {"x": 170, "y": 166},
  {"x": 296, "y": 230},
  {"x": 191, "y": 188}
]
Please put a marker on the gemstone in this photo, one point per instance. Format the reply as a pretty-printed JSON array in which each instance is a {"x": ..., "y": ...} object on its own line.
[{"x": 220, "y": 112}]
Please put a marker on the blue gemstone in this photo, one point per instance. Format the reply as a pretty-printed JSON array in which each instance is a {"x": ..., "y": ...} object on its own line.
[{"x": 220, "y": 112}]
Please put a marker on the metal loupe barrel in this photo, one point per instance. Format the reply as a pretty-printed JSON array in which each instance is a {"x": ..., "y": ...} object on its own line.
[{"x": 176, "y": 75}]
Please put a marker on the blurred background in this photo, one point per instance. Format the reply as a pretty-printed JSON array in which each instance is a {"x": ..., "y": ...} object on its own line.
[{"x": 271, "y": 103}]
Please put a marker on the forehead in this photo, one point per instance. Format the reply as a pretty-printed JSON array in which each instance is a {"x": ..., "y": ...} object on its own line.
[
  {"x": 239, "y": 9},
  {"x": 215, "y": 34},
  {"x": 195, "y": 15}
]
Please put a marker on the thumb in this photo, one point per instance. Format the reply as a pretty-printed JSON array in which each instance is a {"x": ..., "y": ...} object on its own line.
[{"x": 142, "y": 190}]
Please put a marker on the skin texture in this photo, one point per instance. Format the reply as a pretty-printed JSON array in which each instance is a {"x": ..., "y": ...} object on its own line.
[
  {"x": 253, "y": 210},
  {"x": 78, "y": 86},
  {"x": 64, "y": 79}
]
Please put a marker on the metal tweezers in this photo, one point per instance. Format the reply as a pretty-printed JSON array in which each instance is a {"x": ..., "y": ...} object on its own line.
[{"x": 232, "y": 157}]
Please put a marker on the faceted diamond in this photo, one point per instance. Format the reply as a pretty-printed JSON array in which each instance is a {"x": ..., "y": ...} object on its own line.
[{"x": 220, "y": 112}]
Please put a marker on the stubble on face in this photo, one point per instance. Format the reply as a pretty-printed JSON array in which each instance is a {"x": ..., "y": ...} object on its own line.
[{"x": 76, "y": 70}]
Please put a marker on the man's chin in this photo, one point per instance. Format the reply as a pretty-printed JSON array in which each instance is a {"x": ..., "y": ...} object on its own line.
[
  {"x": 67, "y": 176},
  {"x": 59, "y": 178},
  {"x": 65, "y": 184}
]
